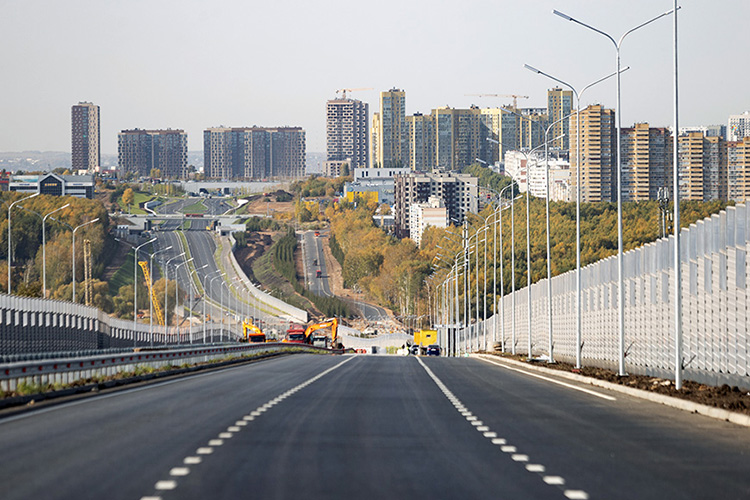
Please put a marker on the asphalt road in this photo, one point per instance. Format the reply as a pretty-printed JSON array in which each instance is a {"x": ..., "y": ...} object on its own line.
[
  {"x": 202, "y": 247},
  {"x": 313, "y": 246},
  {"x": 314, "y": 261},
  {"x": 311, "y": 427}
]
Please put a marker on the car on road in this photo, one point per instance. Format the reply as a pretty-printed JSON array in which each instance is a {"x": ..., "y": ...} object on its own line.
[
  {"x": 415, "y": 350},
  {"x": 433, "y": 350}
]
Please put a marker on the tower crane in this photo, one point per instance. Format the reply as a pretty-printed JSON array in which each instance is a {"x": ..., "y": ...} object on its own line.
[
  {"x": 514, "y": 96},
  {"x": 344, "y": 91}
]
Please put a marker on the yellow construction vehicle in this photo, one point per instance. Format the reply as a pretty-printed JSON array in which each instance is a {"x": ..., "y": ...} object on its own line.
[
  {"x": 252, "y": 333},
  {"x": 154, "y": 298},
  {"x": 323, "y": 340}
]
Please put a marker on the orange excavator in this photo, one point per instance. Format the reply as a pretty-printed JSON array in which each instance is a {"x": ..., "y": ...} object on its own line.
[{"x": 322, "y": 340}]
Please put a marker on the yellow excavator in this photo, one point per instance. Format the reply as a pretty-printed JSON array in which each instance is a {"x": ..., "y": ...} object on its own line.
[
  {"x": 322, "y": 340},
  {"x": 251, "y": 333}
]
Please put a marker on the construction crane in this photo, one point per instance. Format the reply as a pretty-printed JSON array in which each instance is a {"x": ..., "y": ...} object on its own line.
[
  {"x": 344, "y": 91},
  {"x": 514, "y": 96},
  {"x": 154, "y": 298}
]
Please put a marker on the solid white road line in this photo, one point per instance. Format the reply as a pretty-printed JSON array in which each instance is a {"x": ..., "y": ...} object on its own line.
[{"x": 554, "y": 381}]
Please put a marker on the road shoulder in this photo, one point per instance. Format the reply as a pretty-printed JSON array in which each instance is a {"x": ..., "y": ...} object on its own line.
[{"x": 681, "y": 404}]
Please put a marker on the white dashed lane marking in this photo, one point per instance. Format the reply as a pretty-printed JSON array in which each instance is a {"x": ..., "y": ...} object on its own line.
[
  {"x": 171, "y": 484},
  {"x": 504, "y": 446}
]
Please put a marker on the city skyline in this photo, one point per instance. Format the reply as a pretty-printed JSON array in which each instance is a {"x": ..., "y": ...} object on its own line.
[{"x": 288, "y": 83}]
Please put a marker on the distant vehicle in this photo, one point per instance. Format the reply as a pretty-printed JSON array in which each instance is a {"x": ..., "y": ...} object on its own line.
[
  {"x": 295, "y": 335},
  {"x": 315, "y": 262},
  {"x": 317, "y": 233},
  {"x": 318, "y": 274},
  {"x": 433, "y": 350},
  {"x": 414, "y": 350}
]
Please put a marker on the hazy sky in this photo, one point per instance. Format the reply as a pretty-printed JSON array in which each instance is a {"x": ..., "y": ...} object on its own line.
[{"x": 195, "y": 64}]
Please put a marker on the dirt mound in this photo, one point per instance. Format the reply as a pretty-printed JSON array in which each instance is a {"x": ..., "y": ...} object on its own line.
[{"x": 257, "y": 244}]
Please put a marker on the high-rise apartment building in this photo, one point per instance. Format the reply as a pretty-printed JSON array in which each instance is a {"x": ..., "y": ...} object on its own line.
[
  {"x": 392, "y": 124},
  {"x": 532, "y": 127},
  {"x": 140, "y": 151},
  {"x": 598, "y": 152},
  {"x": 85, "y": 129},
  {"x": 458, "y": 137},
  {"x": 420, "y": 142},
  {"x": 375, "y": 160},
  {"x": 738, "y": 170},
  {"x": 702, "y": 163},
  {"x": 347, "y": 137},
  {"x": 559, "y": 105},
  {"x": 459, "y": 193},
  {"x": 646, "y": 161},
  {"x": 738, "y": 126},
  {"x": 253, "y": 152}
]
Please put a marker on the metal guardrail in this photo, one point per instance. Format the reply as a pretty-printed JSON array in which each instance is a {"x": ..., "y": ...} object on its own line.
[{"x": 69, "y": 370}]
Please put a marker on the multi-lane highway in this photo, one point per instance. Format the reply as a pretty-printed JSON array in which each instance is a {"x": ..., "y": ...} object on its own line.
[{"x": 311, "y": 427}]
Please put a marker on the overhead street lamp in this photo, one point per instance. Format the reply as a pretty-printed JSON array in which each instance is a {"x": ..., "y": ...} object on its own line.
[
  {"x": 151, "y": 293},
  {"x": 166, "y": 291},
  {"x": 177, "y": 295},
  {"x": 499, "y": 211},
  {"x": 527, "y": 155},
  {"x": 205, "y": 299},
  {"x": 44, "y": 248},
  {"x": 190, "y": 322},
  {"x": 73, "y": 251},
  {"x": 10, "y": 234},
  {"x": 221, "y": 307},
  {"x": 620, "y": 271},
  {"x": 579, "y": 165},
  {"x": 135, "y": 275}
]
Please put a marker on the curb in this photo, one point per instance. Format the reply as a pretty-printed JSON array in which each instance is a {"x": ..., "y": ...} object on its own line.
[{"x": 681, "y": 404}]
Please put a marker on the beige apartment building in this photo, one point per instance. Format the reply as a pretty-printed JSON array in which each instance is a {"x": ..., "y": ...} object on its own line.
[
  {"x": 598, "y": 151},
  {"x": 559, "y": 105},
  {"x": 702, "y": 163},
  {"x": 646, "y": 161}
]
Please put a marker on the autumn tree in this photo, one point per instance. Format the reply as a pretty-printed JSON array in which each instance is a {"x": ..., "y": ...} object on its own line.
[{"x": 128, "y": 196}]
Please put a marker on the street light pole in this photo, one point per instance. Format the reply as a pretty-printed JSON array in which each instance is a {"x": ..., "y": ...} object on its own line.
[
  {"x": 10, "y": 251},
  {"x": 618, "y": 112},
  {"x": 151, "y": 293},
  {"x": 190, "y": 322},
  {"x": 135, "y": 275},
  {"x": 177, "y": 295},
  {"x": 44, "y": 249},
  {"x": 205, "y": 298},
  {"x": 578, "y": 96},
  {"x": 73, "y": 252},
  {"x": 166, "y": 293},
  {"x": 676, "y": 189}
]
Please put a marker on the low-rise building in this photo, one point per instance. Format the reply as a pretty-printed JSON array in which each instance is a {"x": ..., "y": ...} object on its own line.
[
  {"x": 80, "y": 186},
  {"x": 432, "y": 213}
]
